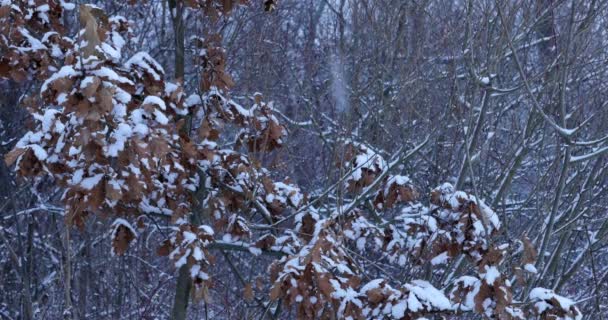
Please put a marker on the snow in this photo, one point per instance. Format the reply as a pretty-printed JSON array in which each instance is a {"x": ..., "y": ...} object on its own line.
[
  {"x": 414, "y": 304},
  {"x": 474, "y": 285},
  {"x": 47, "y": 119},
  {"x": 117, "y": 40},
  {"x": 360, "y": 243},
  {"x": 111, "y": 75},
  {"x": 189, "y": 237},
  {"x": 67, "y": 6},
  {"x": 366, "y": 159},
  {"x": 137, "y": 116},
  {"x": 35, "y": 44},
  {"x": 105, "y": 72},
  {"x": 348, "y": 295},
  {"x": 548, "y": 295},
  {"x": 371, "y": 285},
  {"x": 453, "y": 198},
  {"x": 122, "y": 96},
  {"x": 112, "y": 53},
  {"x": 39, "y": 152},
  {"x": 154, "y": 100},
  {"x": 244, "y": 112},
  {"x": 86, "y": 82},
  {"x": 515, "y": 312},
  {"x": 284, "y": 190},
  {"x": 77, "y": 176},
  {"x": 192, "y": 100},
  {"x": 141, "y": 129},
  {"x": 73, "y": 151},
  {"x": 400, "y": 180},
  {"x": 90, "y": 182},
  {"x": 64, "y": 72},
  {"x": 160, "y": 117},
  {"x": 255, "y": 251},
  {"x": 530, "y": 268},
  {"x": 396, "y": 179},
  {"x": 62, "y": 98},
  {"x": 183, "y": 259},
  {"x": 398, "y": 310},
  {"x": 42, "y": 12},
  {"x": 426, "y": 292},
  {"x": 198, "y": 254},
  {"x": 124, "y": 223},
  {"x": 590, "y": 155},
  {"x": 144, "y": 61},
  {"x": 195, "y": 270},
  {"x": 440, "y": 259},
  {"x": 491, "y": 274}
]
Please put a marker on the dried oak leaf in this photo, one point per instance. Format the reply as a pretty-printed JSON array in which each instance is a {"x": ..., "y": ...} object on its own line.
[
  {"x": 13, "y": 155},
  {"x": 122, "y": 235},
  {"x": 248, "y": 292}
]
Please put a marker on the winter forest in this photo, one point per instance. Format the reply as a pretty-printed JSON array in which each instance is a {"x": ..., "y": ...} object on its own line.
[{"x": 304, "y": 159}]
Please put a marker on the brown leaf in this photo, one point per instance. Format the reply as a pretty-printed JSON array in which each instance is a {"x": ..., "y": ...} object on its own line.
[
  {"x": 164, "y": 249},
  {"x": 325, "y": 286},
  {"x": 259, "y": 283},
  {"x": 4, "y": 11},
  {"x": 484, "y": 292},
  {"x": 112, "y": 192},
  {"x": 248, "y": 292},
  {"x": 13, "y": 155},
  {"x": 4, "y": 69},
  {"x": 276, "y": 130},
  {"x": 91, "y": 88},
  {"x": 201, "y": 292},
  {"x": 105, "y": 100},
  {"x": 61, "y": 85},
  {"x": 504, "y": 298},
  {"x": 159, "y": 147},
  {"x": 122, "y": 238},
  {"x": 266, "y": 242},
  {"x": 89, "y": 20},
  {"x": 18, "y": 75},
  {"x": 530, "y": 253},
  {"x": 227, "y": 6},
  {"x": 275, "y": 292},
  {"x": 375, "y": 295}
]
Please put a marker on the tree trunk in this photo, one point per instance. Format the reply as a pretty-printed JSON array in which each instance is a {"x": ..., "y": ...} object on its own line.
[
  {"x": 177, "y": 14},
  {"x": 182, "y": 294},
  {"x": 183, "y": 286}
]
